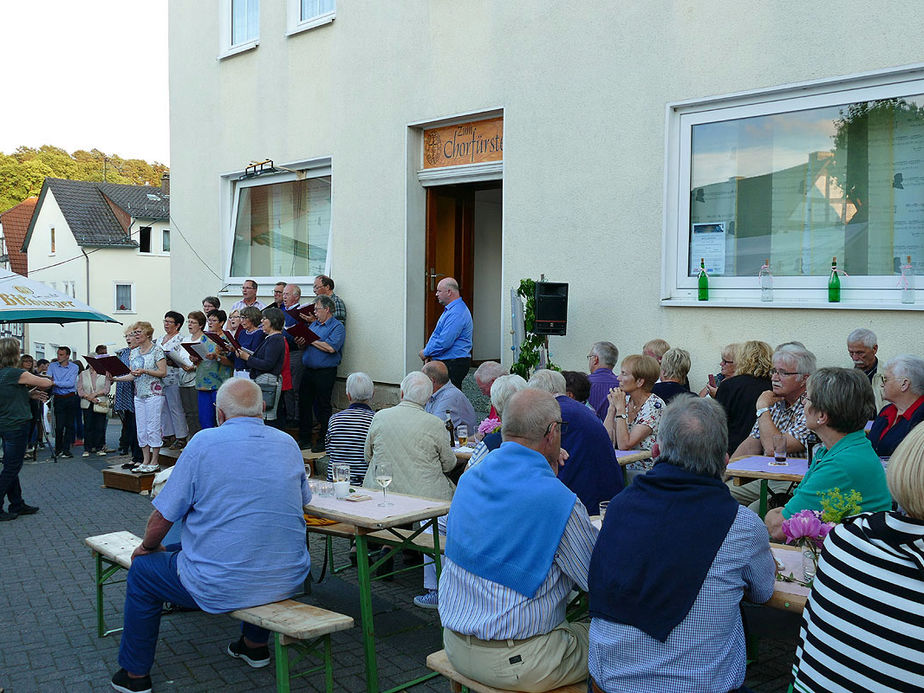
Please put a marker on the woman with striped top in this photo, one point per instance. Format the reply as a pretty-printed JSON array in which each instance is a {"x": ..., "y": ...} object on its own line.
[
  {"x": 347, "y": 429},
  {"x": 863, "y": 625}
]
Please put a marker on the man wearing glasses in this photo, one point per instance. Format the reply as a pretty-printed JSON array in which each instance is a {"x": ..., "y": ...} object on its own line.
[
  {"x": 518, "y": 541},
  {"x": 780, "y": 411}
]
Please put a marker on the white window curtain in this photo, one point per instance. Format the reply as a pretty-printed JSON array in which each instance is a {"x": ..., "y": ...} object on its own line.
[{"x": 245, "y": 21}]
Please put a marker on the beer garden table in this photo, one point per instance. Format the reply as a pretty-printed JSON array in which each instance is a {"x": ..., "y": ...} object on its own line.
[
  {"x": 746, "y": 469},
  {"x": 364, "y": 519}
]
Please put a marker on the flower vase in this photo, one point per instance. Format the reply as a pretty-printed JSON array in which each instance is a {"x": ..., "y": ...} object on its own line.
[{"x": 809, "y": 564}]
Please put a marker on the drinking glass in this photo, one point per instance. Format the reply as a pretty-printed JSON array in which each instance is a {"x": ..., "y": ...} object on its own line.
[
  {"x": 462, "y": 434},
  {"x": 602, "y": 512},
  {"x": 383, "y": 478},
  {"x": 779, "y": 450},
  {"x": 340, "y": 473}
]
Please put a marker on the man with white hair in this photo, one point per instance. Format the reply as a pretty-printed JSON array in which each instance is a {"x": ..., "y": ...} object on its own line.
[
  {"x": 862, "y": 346},
  {"x": 485, "y": 375},
  {"x": 601, "y": 360},
  {"x": 517, "y": 543},
  {"x": 239, "y": 490},
  {"x": 591, "y": 470},
  {"x": 413, "y": 443},
  {"x": 451, "y": 341}
]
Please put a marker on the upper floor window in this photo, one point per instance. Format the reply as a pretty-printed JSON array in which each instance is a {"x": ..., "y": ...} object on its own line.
[
  {"x": 239, "y": 26},
  {"x": 144, "y": 239},
  {"x": 51, "y": 241},
  {"x": 306, "y": 14},
  {"x": 281, "y": 226},
  {"x": 795, "y": 179},
  {"x": 165, "y": 241}
]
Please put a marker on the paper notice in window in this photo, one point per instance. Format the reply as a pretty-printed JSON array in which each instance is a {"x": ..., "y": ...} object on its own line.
[{"x": 707, "y": 241}]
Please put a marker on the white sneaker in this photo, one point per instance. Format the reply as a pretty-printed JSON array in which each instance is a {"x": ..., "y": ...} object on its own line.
[{"x": 85, "y": 454}]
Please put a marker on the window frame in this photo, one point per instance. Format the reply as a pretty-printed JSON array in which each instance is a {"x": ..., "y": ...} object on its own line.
[
  {"x": 132, "y": 309},
  {"x": 165, "y": 236},
  {"x": 233, "y": 182},
  {"x": 52, "y": 251},
  {"x": 295, "y": 24},
  {"x": 150, "y": 250},
  {"x": 677, "y": 288},
  {"x": 226, "y": 48}
]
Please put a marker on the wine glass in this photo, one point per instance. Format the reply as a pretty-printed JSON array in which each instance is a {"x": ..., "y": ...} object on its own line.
[
  {"x": 383, "y": 478},
  {"x": 462, "y": 434}
]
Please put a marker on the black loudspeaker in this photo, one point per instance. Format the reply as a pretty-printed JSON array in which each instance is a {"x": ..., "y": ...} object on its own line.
[{"x": 551, "y": 308}]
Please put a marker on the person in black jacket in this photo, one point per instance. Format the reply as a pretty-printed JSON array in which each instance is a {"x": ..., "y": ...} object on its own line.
[{"x": 739, "y": 393}]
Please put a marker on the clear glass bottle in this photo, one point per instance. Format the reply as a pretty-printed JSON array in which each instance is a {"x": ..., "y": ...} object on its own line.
[
  {"x": 766, "y": 282},
  {"x": 907, "y": 282}
]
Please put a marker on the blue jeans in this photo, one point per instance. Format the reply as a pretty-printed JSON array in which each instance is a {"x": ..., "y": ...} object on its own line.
[
  {"x": 14, "y": 449},
  {"x": 207, "y": 408},
  {"x": 153, "y": 580}
]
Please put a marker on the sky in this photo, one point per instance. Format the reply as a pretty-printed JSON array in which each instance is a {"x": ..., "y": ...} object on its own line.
[{"x": 79, "y": 75}]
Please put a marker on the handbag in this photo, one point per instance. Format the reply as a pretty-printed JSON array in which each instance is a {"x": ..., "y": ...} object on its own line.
[
  {"x": 270, "y": 387},
  {"x": 103, "y": 406}
]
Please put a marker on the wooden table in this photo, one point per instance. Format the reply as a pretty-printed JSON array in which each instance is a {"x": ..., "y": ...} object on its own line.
[
  {"x": 626, "y": 457},
  {"x": 463, "y": 453},
  {"x": 788, "y": 596},
  {"x": 751, "y": 467},
  {"x": 365, "y": 519}
]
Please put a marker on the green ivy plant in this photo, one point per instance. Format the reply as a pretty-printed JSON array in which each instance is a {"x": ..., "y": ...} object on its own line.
[{"x": 532, "y": 342}]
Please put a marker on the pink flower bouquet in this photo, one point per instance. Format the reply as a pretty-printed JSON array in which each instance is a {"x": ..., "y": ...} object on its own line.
[
  {"x": 487, "y": 426},
  {"x": 806, "y": 529}
]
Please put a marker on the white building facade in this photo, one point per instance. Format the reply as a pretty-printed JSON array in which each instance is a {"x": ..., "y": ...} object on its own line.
[{"x": 607, "y": 146}]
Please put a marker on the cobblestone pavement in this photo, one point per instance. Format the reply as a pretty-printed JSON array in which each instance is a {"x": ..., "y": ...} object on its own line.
[{"x": 47, "y": 606}]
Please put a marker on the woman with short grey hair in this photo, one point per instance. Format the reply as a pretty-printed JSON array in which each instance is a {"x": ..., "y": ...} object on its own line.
[
  {"x": 347, "y": 430},
  {"x": 903, "y": 389}
]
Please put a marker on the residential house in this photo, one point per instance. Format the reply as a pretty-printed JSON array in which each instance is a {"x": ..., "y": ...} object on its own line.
[
  {"x": 107, "y": 245},
  {"x": 14, "y": 223},
  {"x": 606, "y": 145}
]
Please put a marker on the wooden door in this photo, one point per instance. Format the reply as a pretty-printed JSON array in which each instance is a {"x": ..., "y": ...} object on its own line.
[{"x": 450, "y": 234}]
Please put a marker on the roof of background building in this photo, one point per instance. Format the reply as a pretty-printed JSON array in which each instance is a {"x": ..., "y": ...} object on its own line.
[
  {"x": 88, "y": 209},
  {"x": 15, "y": 223}
]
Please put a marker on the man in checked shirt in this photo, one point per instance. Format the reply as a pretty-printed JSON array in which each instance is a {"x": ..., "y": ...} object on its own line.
[{"x": 518, "y": 541}]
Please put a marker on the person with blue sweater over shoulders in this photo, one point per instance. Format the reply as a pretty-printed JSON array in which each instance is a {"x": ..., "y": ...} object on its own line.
[{"x": 517, "y": 543}]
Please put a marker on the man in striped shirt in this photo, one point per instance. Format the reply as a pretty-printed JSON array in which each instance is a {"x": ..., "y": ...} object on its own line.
[{"x": 518, "y": 541}]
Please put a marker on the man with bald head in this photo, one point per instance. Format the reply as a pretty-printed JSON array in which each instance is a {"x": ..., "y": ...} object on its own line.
[
  {"x": 518, "y": 541},
  {"x": 447, "y": 397},
  {"x": 451, "y": 341}
]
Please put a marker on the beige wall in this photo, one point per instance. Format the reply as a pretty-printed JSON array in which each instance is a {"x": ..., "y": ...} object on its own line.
[
  {"x": 583, "y": 88},
  {"x": 107, "y": 266}
]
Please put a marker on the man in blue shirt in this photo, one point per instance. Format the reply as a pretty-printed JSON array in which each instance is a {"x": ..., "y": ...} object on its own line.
[
  {"x": 451, "y": 341},
  {"x": 674, "y": 556},
  {"x": 239, "y": 490},
  {"x": 447, "y": 397},
  {"x": 64, "y": 372},
  {"x": 320, "y": 359}
]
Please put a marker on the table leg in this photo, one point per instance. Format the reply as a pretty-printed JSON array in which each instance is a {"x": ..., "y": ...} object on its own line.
[
  {"x": 764, "y": 489},
  {"x": 365, "y": 610}
]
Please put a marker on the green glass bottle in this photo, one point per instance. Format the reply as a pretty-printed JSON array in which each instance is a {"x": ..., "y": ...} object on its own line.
[
  {"x": 834, "y": 284},
  {"x": 703, "y": 281}
]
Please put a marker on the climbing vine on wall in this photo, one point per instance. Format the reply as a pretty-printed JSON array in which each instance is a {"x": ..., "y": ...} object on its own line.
[{"x": 529, "y": 349}]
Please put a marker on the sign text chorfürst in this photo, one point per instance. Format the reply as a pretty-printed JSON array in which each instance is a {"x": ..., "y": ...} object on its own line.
[{"x": 464, "y": 143}]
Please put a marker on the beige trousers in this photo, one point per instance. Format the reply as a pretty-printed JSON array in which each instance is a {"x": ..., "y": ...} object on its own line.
[
  {"x": 540, "y": 663},
  {"x": 749, "y": 494}
]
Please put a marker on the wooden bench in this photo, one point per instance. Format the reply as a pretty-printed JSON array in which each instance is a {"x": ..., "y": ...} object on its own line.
[
  {"x": 301, "y": 627},
  {"x": 439, "y": 662}
]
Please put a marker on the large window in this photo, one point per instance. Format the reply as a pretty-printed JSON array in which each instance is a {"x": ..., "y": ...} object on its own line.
[
  {"x": 796, "y": 179},
  {"x": 281, "y": 227},
  {"x": 306, "y": 14},
  {"x": 239, "y": 26}
]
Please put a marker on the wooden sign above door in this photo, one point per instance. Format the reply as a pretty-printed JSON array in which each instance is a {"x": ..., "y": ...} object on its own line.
[{"x": 464, "y": 143}]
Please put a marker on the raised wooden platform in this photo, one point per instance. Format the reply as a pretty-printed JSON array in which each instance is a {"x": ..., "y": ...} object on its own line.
[{"x": 125, "y": 480}]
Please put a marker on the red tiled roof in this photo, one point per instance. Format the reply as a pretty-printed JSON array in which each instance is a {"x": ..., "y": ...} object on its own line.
[{"x": 15, "y": 223}]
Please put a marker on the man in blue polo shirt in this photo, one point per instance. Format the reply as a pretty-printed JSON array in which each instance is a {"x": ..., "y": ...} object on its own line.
[
  {"x": 320, "y": 359},
  {"x": 451, "y": 341},
  {"x": 66, "y": 404}
]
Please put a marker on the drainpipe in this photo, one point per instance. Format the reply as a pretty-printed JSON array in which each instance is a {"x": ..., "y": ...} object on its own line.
[{"x": 87, "y": 257}]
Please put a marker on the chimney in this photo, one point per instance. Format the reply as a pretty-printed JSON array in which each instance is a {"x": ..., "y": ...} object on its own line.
[{"x": 165, "y": 183}]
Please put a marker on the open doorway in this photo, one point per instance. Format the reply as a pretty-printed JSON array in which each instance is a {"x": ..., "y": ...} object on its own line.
[{"x": 464, "y": 240}]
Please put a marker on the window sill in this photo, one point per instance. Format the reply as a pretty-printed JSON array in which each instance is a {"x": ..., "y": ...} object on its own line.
[
  {"x": 125, "y": 312},
  {"x": 239, "y": 48},
  {"x": 789, "y": 304},
  {"x": 312, "y": 23}
]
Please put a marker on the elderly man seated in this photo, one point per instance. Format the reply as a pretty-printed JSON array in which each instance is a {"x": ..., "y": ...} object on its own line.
[
  {"x": 414, "y": 444},
  {"x": 591, "y": 470},
  {"x": 838, "y": 403},
  {"x": 601, "y": 360},
  {"x": 518, "y": 541},
  {"x": 485, "y": 375},
  {"x": 239, "y": 490},
  {"x": 447, "y": 397},
  {"x": 780, "y": 411},
  {"x": 665, "y": 590},
  {"x": 863, "y": 347}
]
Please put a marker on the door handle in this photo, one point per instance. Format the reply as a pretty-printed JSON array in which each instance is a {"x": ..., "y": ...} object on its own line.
[{"x": 433, "y": 275}]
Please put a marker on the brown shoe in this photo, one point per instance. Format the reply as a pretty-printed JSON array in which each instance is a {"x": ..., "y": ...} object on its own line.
[
  {"x": 167, "y": 441},
  {"x": 178, "y": 444}
]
